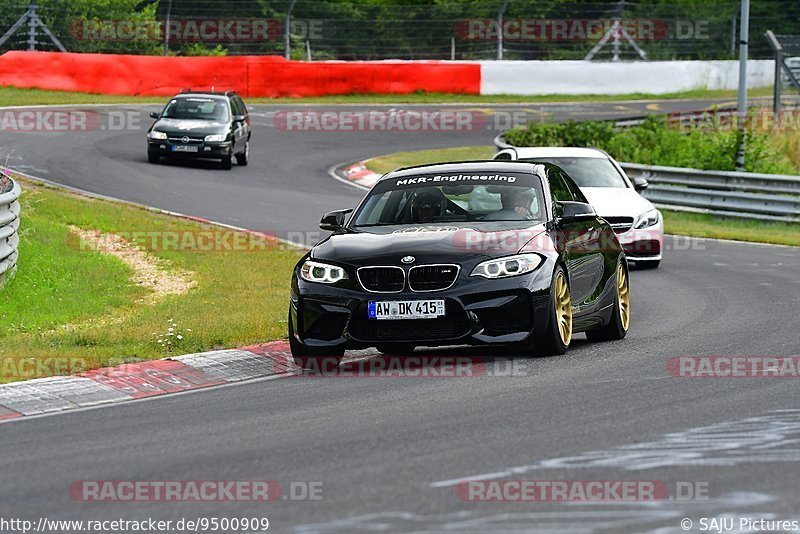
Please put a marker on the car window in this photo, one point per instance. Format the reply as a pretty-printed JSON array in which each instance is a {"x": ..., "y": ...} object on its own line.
[
  {"x": 558, "y": 187},
  {"x": 238, "y": 106},
  {"x": 242, "y": 106},
  {"x": 209, "y": 109},
  {"x": 574, "y": 190},
  {"x": 396, "y": 202},
  {"x": 587, "y": 172}
]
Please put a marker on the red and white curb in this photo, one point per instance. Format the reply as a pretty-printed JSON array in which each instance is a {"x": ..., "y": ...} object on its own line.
[
  {"x": 360, "y": 174},
  {"x": 140, "y": 380}
]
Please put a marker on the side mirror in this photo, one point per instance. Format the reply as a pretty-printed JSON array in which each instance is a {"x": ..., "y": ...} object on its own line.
[
  {"x": 239, "y": 118},
  {"x": 334, "y": 220},
  {"x": 575, "y": 211},
  {"x": 154, "y": 114},
  {"x": 640, "y": 183},
  {"x": 506, "y": 155}
]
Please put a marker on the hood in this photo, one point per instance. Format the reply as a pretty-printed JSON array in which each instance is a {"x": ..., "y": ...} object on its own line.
[
  {"x": 443, "y": 245},
  {"x": 181, "y": 127},
  {"x": 616, "y": 201}
]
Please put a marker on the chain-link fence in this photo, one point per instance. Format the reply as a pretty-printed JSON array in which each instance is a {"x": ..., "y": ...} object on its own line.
[{"x": 370, "y": 29}]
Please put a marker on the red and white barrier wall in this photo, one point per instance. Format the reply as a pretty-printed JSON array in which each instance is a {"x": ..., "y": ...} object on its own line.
[
  {"x": 603, "y": 78},
  {"x": 271, "y": 76}
]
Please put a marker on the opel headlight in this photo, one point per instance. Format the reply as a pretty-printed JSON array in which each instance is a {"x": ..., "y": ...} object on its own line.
[
  {"x": 215, "y": 138},
  {"x": 647, "y": 219},
  {"x": 313, "y": 271},
  {"x": 508, "y": 266},
  {"x": 157, "y": 135}
]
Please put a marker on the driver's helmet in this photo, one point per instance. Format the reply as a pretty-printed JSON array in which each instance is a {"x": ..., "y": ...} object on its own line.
[{"x": 427, "y": 205}]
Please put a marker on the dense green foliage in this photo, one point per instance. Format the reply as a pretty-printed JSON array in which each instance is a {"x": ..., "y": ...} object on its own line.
[{"x": 370, "y": 29}]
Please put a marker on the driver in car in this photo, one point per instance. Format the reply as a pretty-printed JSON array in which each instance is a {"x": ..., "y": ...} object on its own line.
[
  {"x": 518, "y": 200},
  {"x": 426, "y": 206}
]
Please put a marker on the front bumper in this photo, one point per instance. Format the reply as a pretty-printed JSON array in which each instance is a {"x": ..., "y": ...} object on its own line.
[
  {"x": 646, "y": 244},
  {"x": 204, "y": 150},
  {"x": 477, "y": 312}
]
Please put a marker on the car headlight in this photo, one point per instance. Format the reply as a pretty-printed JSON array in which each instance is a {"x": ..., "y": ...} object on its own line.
[
  {"x": 647, "y": 219},
  {"x": 508, "y": 266},
  {"x": 157, "y": 135},
  {"x": 313, "y": 271},
  {"x": 215, "y": 138}
]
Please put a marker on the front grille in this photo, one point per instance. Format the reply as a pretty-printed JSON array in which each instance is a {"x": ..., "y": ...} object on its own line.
[
  {"x": 382, "y": 279},
  {"x": 452, "y": 325},
  {"x": 191, "y": 140},
  {"x": 432, "y": 277},
  {"x": 620, "y": 224}
]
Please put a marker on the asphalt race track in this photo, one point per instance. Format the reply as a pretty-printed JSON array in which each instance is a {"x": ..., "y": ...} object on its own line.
[{"x": 390, "y": 451}]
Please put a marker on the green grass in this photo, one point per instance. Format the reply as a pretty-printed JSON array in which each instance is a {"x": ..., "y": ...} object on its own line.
[
  {"x": 384, "y": 164},
  {"x": 675, "y": 222},
  {"x": 12, "y": 96},
  {"x": 68, "y": 303},
  {"x": 705, "y": 225}
]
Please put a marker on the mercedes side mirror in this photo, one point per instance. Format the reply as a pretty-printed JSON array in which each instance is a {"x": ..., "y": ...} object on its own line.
[
  {"x": 153, "y": 114},
  {"x": 640, "y": 183},
  {"x": 334, "y": 220}
]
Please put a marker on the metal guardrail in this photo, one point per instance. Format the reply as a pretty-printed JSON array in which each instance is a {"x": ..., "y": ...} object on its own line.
[
  {"x": 770, "y": 197},
  {"x": 774, "y": 197},
  {"x": 10, "y": 192}
]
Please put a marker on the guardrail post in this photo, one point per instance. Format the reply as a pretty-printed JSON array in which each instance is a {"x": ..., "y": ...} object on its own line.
[
  {"x": 500, "y": 15},
  {"x": 742, "y": 101},
  {"x": 10, "y": 192},
  {"x": 287, "y": 31},
  {"x": 776, "y": 90}
]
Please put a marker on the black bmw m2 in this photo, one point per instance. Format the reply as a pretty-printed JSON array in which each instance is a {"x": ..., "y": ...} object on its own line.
[{"x": 461, "y": 254}]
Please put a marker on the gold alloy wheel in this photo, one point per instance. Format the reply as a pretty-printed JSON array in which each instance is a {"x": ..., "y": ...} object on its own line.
[
  {"x": 563, "y": 309},
  {"x": 623, "y": 297}
]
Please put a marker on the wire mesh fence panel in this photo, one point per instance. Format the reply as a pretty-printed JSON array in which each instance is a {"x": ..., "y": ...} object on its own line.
[{"x": 372, "y": 29}]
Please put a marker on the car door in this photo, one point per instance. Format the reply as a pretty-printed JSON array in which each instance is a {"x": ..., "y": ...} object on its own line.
[
  {"x": 241, "y": 127},
  {"x": 581, "y": 244}
]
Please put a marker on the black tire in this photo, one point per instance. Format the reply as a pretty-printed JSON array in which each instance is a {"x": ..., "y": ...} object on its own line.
[
  {"x": 617, "y": 327},
  {"x": 396, "y": 349},
  {"x": 227, "y": 163},
  {"x": 243, "y": 157},
  {"x": 153, "y": 157},
  {"x": 552, "y": 341},
  {"x": 649, "y": 264},
  {"x": 321, "y": 360}
]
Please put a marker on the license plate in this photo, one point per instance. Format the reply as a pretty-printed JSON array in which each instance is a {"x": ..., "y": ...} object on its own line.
[
  {"x": 184, "y": 148},
  {"x": 405, "y": 309}
]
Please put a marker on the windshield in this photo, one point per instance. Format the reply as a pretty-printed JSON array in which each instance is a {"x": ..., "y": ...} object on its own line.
[
  {"x": 587, "y": 172},
  {"x": 453, "y": 198},
  {"x": 207, "y": 109}
]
